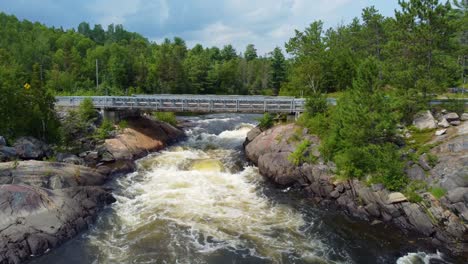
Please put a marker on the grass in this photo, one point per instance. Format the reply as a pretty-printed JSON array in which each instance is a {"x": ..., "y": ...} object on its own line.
[
  {"x": 438, "y": 192},
  {"x": 167, "y": 117}
]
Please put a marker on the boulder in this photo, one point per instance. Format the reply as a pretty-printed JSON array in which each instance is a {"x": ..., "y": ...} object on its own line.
[
  {"x": 418, "y": 218},
  {"x": 455, "y": 123},
  {"x": 440, "y": 132},
  {"x": 443, "y": 123},
  {"x": 457, "y": 195},
  {"x": 69, "y": 158},
  {"x": 451, "y": 117},
  {"x": 28, "y": 148},
  {"x": 7, "y": 153},
  {"x": 425, "y": 120},
  {"x": 415, "y": 172},
  {"x": 142, "y": 136},
  {"x": 252, "y": 134},
  {"x": 36, "y": 219},
  {"x": 2, "y": 141},
  {"x": 396, "y": 197},
  {"x": 50, "y": 175},
  {"x": 464, "y": 117},
  {"x": 452, "y": 168}
]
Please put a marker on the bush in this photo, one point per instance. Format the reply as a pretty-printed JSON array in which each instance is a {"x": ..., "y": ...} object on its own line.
[
  {"x": 167, "y": 117},
  {"x": 73, "y": 127},
  {"x": 316, "y": 104},
  {"x": 299, "y": 155},
  {"x": 86, "y": 110},
  {"x": 105, "y": 129},
  {"x": 454, "y": 105},
  {"x": 266, "y": 121},
  {"x": 123, "y": 125}
]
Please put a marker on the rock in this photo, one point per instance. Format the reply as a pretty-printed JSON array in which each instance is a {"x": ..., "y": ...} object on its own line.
[
  {"x": 418, "y": 218},
  {"x": 107, "y": 157},
  {"x": 50, "y": 175},
  {"x": 464, "y": 117},
  {"x": 455, "y": 123},
  {"x": 457, "y": 195},
  {"x": 440, "y": 132},
  {"x": 252, "y": 134},
  {"x": 142, "y": 136},
  {"x": 443, "y": 123},
  {"x": 452, "y": 167},
  {"x": 424, "y": 120},
  {"x": 396, "y": 197},
  {"x": 28, "y": 148},
  {"x": 2, "y": 141},
  {"x": 37, "y": 219},
  {"x": 373, "y": 209},
  {"x": 416, "y": 173},
  {"x": 451, "y": 117},
  {"x": 7, "y": 153},
  {"x": 423, "y": 162},
  {"x": 69, "y": 158},
  {"x": 335, "y": 194}
]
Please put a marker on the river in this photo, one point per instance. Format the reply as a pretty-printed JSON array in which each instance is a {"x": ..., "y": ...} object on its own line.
[{"x": 199, "y": 201}]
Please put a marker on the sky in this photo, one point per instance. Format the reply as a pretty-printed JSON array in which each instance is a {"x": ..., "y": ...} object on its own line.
[{"x": 264, "y": 23}]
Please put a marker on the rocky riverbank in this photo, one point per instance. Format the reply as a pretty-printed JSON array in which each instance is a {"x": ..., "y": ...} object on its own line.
[
  {"x": 443, "y": 221},
  {"x": 44, "y": 203}
]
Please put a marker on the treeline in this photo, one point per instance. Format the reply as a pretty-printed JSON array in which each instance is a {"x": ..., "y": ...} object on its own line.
[
  {"x": 128, "y": 63},
  {"x": 417, "y": 53}
]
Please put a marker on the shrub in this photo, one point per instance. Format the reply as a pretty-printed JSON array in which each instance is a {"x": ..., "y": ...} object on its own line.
[
  {"x": 412, "y": 189},
  {"x": 123, "y": 125},
  {"x": 105, "y": 129},
  {"x": 86, "y": 110},
  {"x": 432, "y": 159},
  {"x": 167, "y": 117},
  {"x": 316, "y": 104},
  {"x": 454, "y": 105},
  {"x": 266, "y": 121},
  {"x": 299, "y": 155},
  {"x": 438, "y": 192}
]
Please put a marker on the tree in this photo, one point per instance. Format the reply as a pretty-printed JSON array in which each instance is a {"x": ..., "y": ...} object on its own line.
[
  {"x": 421, "y": 45},
  {"x": 250, "y": 52},
  {"x": 363, "y": 131},
  {"x": 278, "y": 69}
]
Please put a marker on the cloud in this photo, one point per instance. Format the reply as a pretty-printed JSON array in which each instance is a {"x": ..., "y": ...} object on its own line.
[{"x": 264, "y": 23}]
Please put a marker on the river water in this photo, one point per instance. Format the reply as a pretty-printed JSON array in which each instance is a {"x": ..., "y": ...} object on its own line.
[{"x": 201, "y": 202}]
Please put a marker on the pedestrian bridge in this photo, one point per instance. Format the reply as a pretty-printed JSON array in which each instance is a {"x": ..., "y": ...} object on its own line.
[{"x": 191, "y": 103}]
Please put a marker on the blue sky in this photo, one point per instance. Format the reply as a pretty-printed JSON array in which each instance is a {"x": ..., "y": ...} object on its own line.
[{"x": 265, "y": 23}]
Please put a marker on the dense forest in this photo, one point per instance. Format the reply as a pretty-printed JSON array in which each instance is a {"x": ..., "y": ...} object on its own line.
[{"x": 417, "y": 53}]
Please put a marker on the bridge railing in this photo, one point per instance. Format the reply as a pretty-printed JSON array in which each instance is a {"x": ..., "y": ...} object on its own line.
[{"x": 173, "y": 103}]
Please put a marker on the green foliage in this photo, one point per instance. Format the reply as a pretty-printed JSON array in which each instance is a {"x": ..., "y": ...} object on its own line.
[
  {"x": 167, "y": 117},
  {"x": 123, "y": 125},
  {"x": 438, "y": 192},
  {"x": 432, "y": 159},
  {"x": 104, "y": 131},
  {"x": 86, "y": 110},
  {"x": 316, "y": 104},
  {"x": 454, "y": 105},
  {"x": 73, "y": 127},
  {"x": 266, "y": 121},
  {"x": 413, "y": 189},
  {"x": 299, "y": 155}
]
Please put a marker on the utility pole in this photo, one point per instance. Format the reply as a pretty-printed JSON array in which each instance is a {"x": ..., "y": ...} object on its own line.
[{"x": 97, "y": 75}]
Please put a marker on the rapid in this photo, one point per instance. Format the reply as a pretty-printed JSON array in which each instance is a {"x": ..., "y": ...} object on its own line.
[{"x": 200, "y": 201}]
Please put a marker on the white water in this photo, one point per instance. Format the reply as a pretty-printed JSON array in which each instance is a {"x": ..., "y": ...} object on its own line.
[
  {"x": 200, "y": 203},
  {"x": 196, "y": 213}
]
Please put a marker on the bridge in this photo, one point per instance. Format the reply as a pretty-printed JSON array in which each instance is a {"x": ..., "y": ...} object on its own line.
[{"x": 191, "y": 103}]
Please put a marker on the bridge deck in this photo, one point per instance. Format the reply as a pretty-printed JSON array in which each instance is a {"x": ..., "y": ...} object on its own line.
[{"x": 191, "y": 103}]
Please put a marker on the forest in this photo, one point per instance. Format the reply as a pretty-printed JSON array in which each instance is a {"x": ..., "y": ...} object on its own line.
[{"x": 418, "y": 53}]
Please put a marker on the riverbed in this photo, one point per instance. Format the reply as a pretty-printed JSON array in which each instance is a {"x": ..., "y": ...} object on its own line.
[{"x": 200, "y": 201}]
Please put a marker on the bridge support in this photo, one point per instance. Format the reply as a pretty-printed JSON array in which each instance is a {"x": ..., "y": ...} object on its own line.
[{"x": 117, "y": 115}]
